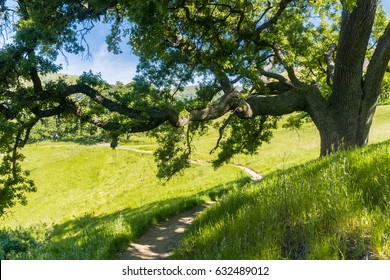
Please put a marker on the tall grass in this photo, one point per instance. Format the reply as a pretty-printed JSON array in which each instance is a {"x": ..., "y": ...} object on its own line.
[{"x": 334, "y": 208}]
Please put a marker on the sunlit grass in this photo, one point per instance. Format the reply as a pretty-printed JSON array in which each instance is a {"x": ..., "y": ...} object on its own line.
[
  {"x": 74, "y": 180},
  {"x": 89, "y": 195}
]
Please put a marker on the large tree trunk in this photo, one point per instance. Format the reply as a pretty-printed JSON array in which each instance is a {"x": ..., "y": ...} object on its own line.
[
  {"x": 350, "y": 109},
  {"x": 346, "y": 132}
]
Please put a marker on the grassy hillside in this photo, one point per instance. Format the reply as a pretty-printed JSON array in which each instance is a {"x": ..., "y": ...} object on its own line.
[
  {"x": 74, "y": 180},
  {"x": 334, "y": 208},
  {"x": 92, "y": 201}
]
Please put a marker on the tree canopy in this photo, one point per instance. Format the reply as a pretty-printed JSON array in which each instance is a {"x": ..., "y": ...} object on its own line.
[{"x": 254, "y": 60}]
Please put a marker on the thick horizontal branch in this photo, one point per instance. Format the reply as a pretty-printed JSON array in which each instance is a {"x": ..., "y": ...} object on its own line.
[
  {"x": 293, "y": 99},
  {"x": 305, "y": 98},
  {"x": 288, "y": 102},
  {"x": 106, "y": 125},
  {"x": 217, "y": 109},
  {"x": 129, "y": 127},
  {"x": 104, "y": 101},
  {"x": 275, "y": 76},
  {"x": 151, "y": 117},
  {"x": 278, "y": 87},
  {"x": 58, "y": 110}
]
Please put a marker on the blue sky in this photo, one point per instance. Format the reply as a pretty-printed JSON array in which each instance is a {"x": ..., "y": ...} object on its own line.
[
  {"x": 113, "y": 68},
  {"x": 121, "y": 67}
]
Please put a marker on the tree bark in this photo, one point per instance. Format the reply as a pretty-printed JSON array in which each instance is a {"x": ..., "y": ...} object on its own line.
[{"x": 347, "y": 95}]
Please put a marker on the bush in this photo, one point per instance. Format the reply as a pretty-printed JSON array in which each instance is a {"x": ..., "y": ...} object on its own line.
[{"x": 16, "y": 243}]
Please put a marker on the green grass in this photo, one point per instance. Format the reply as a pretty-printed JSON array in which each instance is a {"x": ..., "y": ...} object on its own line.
[
  {"x": 92, "y": 201},
  {"x": 74, "y": 180},
  {"x": 334, "y": 208}
]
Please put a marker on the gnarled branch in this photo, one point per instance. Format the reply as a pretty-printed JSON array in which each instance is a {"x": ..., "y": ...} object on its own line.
[
  {"x": 275, "y": 105},
  {"x": 290, "y": 70}
]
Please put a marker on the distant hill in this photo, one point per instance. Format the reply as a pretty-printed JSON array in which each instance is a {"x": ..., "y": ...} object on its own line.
[
  {"x": 188, "y": 93},
  {"x": 46, "y": 78},
  {"x": 56, "y": 76}
]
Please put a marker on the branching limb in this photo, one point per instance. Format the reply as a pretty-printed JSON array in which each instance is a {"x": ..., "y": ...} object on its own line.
[
  {"x": 278, "y": 77},
  {"x": 290, "y": 70},
  {"x": 225, "y": 104},
  {"x": 282, "y": 6},
  {"x": 36, "y": 80},
  {"x": 221, "y": 131},
  {"x": 296, "y": 99},
  {"x": 95, "y": 95},
  {"x": 330, "y": 62}
]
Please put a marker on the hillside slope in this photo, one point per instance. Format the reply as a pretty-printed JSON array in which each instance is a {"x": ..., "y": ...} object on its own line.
[{"x": 334, "y": 208}]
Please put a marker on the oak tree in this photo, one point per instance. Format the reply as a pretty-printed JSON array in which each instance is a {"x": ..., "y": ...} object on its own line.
[{"x": 253, "y": 60}]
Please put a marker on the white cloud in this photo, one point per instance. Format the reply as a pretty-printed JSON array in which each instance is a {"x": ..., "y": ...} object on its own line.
[
  {"x": 112, "y": 67},
  {"x": 121, "y": 67}
]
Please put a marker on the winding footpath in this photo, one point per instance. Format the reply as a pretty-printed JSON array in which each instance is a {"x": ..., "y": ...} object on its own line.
[
  {"x": 159, "y": 242},
  {"x": 254, "y": 175}
]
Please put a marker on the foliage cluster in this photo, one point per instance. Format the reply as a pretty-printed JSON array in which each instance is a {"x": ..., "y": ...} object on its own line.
[
  {"x": 16, "y": 242},
  {"x": 14, "y": 182}
]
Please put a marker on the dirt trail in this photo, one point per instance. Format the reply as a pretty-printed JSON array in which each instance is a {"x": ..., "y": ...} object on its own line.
[
  {"x": 255, "y": 176},
  {"x": 160, "y": 241}
]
